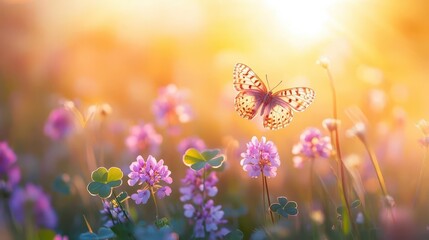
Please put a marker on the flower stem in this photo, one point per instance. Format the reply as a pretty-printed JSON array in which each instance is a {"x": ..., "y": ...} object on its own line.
[
  {"x": 120, "y": 206},
  {"x": 420, "y": 179},
  {"x": 109, "y": 212},
  {"x": 376, "y": 168},
  {"x": 380, "y": 177},
  {"x": 311, "y": 181},
  {"x": 268, "y": 197},
  {"x": 154, "y": 201},
  {"x": 343, "y": 183},
  {"x": 310, "y": 204},
  {"x": 12, "y": 225},
  {"x": 263, "y": 196},
  {"x": 204, "y": 197},
  {"x": 204, "y": 184}
]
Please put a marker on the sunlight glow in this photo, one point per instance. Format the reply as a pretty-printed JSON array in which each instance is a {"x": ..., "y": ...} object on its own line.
[{"x": 304, "y": 20}]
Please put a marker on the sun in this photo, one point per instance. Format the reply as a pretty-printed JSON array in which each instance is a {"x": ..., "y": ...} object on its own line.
[{"x": 303, "y": 20}]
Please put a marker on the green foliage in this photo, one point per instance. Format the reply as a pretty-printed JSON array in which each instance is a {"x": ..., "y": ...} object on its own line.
[
  {"x": 123, "y": 230},
  {"x": 120, "y": 199},
  {"x": 355, "y": 203},
  {"x": 163, "y": 222},
  {"x": 340, "y": 210},
  {"x": 46, "y": 234},
  {"x": 284, "y": 207},
  {"x": 62, "y": 184},
  {"x": 234, "y": 235},
  {"x": 196, "y": 160},
  {"x": 104, "y": 180},
  {"x": 103, "y": 233}
]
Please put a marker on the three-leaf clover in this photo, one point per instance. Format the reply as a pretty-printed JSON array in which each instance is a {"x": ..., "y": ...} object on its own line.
[
  {"x": 104, "y": 180},
  {"x": 284, "y": 207},
  {"x": 196, "y": 160},
  {"x": 103, "y": 233},
  {"x": 234, "y": 235},
  {"x": 340, "y": 210},
  {"x": 160, "y": 223}
]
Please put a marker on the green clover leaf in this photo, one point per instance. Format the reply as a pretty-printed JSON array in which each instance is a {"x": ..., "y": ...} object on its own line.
[
  {"x": 104, "y": 180},
  {"x": 284, "y": 207},
  {"x": 234, "y": 235},
  {"x": 103, "y": 233},
  {"x": 120, "y": 199},
  {"x": 163, "y": 222},
  {"x": 196, "y": 160},
  {"x": 340, "y": 210}
]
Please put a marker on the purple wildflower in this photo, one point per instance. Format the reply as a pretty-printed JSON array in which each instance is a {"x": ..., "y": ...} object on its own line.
[
  {"x": 59, "y": 124},
  {"x": 204, "y": 215},
  {"x": 312, "y": 144},
  {"x": 193, "y": 188},
  {"x": 150, "y": 173},
  {"x": 59, "y": 237},
  {"x": 143, "y": 137},
  {"x": 171, "y": 108},
  {"x": 260, "y": 157},
  {"x": 112, "y": 215},
  {"x": 33, "y": 202},
  {"x": 207, "y": 220},
  {"x": 191, "y": 142},
  {"x": 10, "y": 173}
]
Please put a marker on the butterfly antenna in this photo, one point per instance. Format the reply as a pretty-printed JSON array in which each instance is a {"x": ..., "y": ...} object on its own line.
[
  {"x": 277, "y": 85},
  {"x": 268, "y": 83}
]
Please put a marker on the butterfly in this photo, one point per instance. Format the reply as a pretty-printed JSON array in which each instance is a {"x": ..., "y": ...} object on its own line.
[{"x": 276, "y": 108}]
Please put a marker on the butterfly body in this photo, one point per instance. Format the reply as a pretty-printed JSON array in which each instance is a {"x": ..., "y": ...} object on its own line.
[
  {"x": 275, "y": 107},
  {"x": 266, "y": 102}
]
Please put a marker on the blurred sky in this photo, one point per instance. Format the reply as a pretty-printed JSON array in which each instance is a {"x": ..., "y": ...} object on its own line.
[{"x": 121, "y": 52}]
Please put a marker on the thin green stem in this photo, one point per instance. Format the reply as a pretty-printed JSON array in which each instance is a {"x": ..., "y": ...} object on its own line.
[
  {"x": 334, "y": 94},
  {"x": 130, "y": 235},
  {"x": 311, "y": 181},
  {"x": 263, "y": 196},
  {"x": 343, "y": 183},
  {"x": 110, "y": 213},
  {"x": 204, "y": 184},
  {"x": 12, "y": 225},
  {"x": 310, "y": 204},
  {"x": 120, "y": 206},
  {"x": 380, "y": 177},
  {"x": 204, "y": 197},
  {"x": 377, "y": 169},
  {"x": 420, "y": 179},
  {"x": 154, "y": 201},
  {"x": 29, "y": 224},
  {"x": 268, "y": 197}
]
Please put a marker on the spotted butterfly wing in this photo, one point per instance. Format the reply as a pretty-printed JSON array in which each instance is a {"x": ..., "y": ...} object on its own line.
[
  {"x": 251, "y": 91},
  {"x": 281, "y": 114},
  {"x": 276, "y": 108}
]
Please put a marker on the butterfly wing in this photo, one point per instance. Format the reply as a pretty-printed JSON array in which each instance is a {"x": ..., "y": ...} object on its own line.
[
  {"x": 298, "y": 98},
  {"x": 248, "y": 102},
  {"x": 246, "y": 79},
  {"x": 278, "y": 117},
  {"x": 280, "y": 109},
  {"x": 251, "y": 91}
]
